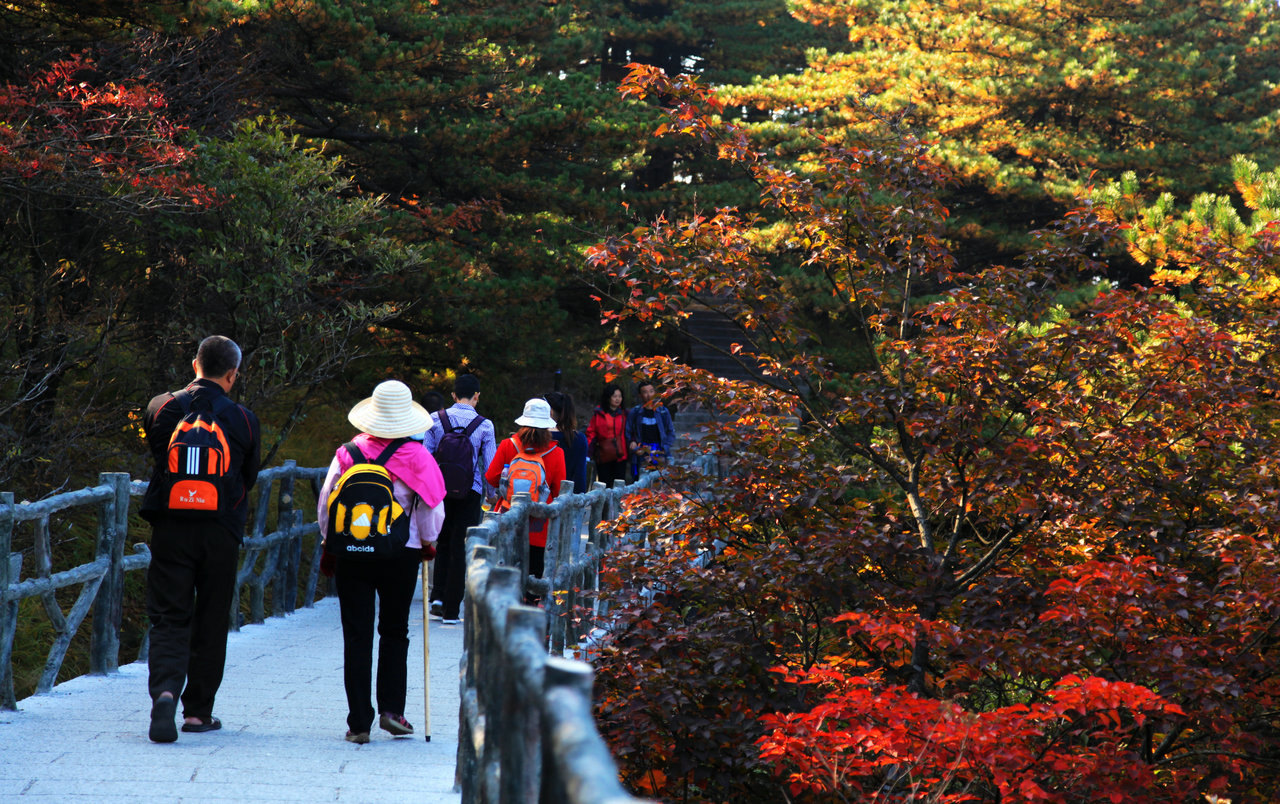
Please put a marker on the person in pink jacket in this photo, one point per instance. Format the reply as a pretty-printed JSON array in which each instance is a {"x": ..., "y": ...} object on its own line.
[{"x": 390, "y": 415}]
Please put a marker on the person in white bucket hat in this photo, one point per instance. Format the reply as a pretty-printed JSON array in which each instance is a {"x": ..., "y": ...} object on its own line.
[
  {"x": 386, "y": 420},
  {"x": 529, "y": 461}
]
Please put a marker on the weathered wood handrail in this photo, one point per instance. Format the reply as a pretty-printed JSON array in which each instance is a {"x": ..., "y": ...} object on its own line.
[
  {"x": 526, "y": 728},
  {"x": 102, "y": 578}
]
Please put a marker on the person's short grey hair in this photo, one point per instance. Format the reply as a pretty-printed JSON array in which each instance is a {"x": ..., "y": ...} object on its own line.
[{"x": 217, "y": 356}]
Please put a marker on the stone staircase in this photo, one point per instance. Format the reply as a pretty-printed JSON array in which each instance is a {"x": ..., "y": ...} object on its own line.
[{"x": 711, "y": 335}]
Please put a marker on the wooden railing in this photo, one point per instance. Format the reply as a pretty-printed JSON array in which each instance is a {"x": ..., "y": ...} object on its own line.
[
  {"x": 527, "y": 730},
  {"x": 268, "y": 560},
  {"x": 526, "y": 733}
]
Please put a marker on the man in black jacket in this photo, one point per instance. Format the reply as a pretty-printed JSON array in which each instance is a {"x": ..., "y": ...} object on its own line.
[{"x": 194, "y": 553}]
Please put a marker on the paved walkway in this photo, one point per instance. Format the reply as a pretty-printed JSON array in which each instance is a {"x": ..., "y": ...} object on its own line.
[{"x": 284, "y": 716}]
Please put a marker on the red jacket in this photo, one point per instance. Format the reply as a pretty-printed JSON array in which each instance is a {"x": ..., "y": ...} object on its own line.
[
  {"x": 608, "y": 425},
  {"x": 553, "y": 461}
]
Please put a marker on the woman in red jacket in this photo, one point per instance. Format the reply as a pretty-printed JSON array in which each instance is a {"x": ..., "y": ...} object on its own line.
[
  {"x": 607, "y": 437},
  {"x": 517, "y": 456}
]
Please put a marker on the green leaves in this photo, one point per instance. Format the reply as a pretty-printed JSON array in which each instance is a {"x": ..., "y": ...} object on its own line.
[{"x": 290, "y": 263}]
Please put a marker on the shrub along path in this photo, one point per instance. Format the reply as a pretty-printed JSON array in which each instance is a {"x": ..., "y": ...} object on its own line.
[{"x": 284, "y": 715}]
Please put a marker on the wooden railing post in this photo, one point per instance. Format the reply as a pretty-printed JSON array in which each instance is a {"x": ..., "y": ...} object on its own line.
[
  {"x": 568, "y": 730},
  {"x": 561, "y": 532},
  {"x": 313, "y": 575},
  {"x": 10, "y": 566},
  {"x": 480, "y": 558},
  {"x": 284, "y": 585},
  {"x": 113, "y": 525},
  {"x": 520, "y": 741}
]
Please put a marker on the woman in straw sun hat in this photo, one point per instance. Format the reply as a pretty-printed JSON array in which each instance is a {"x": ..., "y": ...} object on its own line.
[
  {"x": 531, "y": 443},
  {"x": 385, "y": 420}
]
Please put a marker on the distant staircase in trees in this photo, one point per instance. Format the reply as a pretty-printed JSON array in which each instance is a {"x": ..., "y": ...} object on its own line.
[{"x": 711, "y": 335}]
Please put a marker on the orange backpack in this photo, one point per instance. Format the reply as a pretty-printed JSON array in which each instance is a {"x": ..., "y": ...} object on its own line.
[
  {"x": 199, "y": 460},
  {"x": 525, "y": 474}
]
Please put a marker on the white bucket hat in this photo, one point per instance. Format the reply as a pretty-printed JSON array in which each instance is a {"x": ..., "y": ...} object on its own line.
[
  {"x": 390, "y": 412},
  {"x": 537, "y": 413}
]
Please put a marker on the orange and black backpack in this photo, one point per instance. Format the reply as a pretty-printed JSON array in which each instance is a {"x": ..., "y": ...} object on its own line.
[{"x": 198, "y": 466}]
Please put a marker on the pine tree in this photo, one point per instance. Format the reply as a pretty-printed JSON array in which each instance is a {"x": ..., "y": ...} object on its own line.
[{"x": 1030, "y": 102}]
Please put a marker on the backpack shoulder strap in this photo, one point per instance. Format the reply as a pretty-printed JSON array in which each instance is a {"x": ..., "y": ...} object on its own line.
[
  {"x": 445, "y": 421},
  {"x": 183, "y": 398},
  {"x": 221, "y": 403},
  {"x": 356, "y": 455},
  {"x": 471, "y": 427},
  {"x": 389, "y": 450}
]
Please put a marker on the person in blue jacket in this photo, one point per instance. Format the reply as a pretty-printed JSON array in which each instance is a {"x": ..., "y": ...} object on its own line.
[{"x": 651, "y": 435}]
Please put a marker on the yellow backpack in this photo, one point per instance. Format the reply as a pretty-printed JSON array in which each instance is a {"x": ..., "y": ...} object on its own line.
[{"x": 365, "y": 520}]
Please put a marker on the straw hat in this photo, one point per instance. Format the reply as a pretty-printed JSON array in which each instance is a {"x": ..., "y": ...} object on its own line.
[
  {"x": 537, "y": 413},
  {"x": 390, "y": 412}
]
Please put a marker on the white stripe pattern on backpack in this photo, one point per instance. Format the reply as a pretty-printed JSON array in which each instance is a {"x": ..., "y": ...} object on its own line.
[{"x": 193, "y": 460}]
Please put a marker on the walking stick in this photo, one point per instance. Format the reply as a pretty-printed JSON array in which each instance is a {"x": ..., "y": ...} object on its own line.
[{"x": 426, "y": 652}]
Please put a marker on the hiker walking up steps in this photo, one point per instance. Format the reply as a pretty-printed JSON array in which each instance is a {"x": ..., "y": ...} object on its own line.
[
  {"x": 206, "y": 450},
  {"x": 463, "y": 444},
  {"x": 382, "y": 505}
]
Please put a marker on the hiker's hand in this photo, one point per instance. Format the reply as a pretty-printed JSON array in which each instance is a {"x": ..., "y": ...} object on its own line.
[
  {"x": 328, "y": 563},
  {"x": 428, "y": 552}
]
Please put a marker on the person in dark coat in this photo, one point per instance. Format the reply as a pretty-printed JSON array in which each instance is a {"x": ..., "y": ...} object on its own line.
[
  {"x": 651, "y": 434},
  {"x": 571, "y": 440},
  {"x": 194, "y": 554}
]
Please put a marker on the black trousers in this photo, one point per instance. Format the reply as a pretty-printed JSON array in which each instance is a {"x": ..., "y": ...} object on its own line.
[
  {"x": 450, "y": 579},
  {"x": 537, "y": 563},
  {"x": 606, "y": 473},
  {"x": 392, "y": 582},
  {"x": 189, "y": 586}
]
